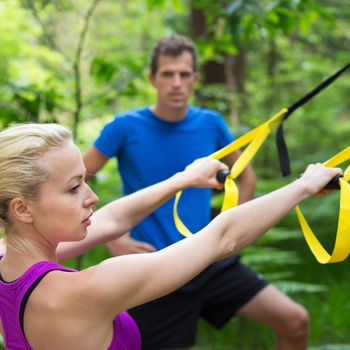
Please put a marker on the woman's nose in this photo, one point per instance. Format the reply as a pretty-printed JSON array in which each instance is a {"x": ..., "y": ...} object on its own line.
[{"x": 91, "y": 197}]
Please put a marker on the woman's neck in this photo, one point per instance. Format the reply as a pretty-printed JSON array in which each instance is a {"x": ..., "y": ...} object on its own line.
[{"x": 19, "y": 256}]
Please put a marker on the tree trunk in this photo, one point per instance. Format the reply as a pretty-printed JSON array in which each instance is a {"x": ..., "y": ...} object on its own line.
[{"x": 230, "y": 73}]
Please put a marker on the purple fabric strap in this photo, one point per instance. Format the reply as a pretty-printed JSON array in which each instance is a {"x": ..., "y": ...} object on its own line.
[
  {"x": 126, "y": 334},
  {"x": 11, "y": 297}
]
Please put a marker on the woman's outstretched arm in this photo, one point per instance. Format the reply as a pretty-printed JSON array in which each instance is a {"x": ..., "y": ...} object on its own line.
[
  {"x": 144, "y": 277},
  {"x": 119, "y": 216}
]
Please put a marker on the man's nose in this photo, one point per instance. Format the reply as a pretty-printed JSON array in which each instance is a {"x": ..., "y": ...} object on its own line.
[{"x": 177, "y": 80}]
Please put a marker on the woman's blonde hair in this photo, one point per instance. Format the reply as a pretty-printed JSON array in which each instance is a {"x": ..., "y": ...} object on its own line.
[{"x": 22, "y": 171}]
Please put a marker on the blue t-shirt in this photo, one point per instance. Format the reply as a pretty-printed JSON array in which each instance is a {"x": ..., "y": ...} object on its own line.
[{"x": 150, "y": 150}]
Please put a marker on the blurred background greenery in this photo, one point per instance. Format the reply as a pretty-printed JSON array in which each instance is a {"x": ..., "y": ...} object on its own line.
[{"x": 78, "y": 62}]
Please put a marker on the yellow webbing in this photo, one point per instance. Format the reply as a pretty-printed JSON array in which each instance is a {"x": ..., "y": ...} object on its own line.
[
  {"x": 254, "y": 138},
  {"x": 341, "y": 248}
]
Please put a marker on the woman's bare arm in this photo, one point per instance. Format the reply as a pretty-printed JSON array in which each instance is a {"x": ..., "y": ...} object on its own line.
[
  {"x": 131, "y": 280},
  {"x": 119, "y": 216}
]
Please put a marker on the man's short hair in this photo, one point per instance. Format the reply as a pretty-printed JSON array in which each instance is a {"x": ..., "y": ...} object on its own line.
[{"x": 174, "y": 46}]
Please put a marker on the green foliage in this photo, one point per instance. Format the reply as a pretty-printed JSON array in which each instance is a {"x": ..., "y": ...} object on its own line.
[
  {"x": 27, "y": 84},
  {"x": 241, "y": 21},
  {"x": 290, "y": 47}
]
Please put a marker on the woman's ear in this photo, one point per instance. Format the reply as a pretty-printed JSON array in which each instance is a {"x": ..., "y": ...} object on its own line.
[{"x": 20, "y": 210}]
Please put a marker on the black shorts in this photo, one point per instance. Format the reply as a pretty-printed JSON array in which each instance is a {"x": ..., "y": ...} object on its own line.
[{"x": 215, "y": 295}]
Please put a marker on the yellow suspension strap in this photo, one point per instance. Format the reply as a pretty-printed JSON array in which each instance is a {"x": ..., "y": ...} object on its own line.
[
  {"x": 341, "y": 248},
  {"x": 254, "y": 138}
]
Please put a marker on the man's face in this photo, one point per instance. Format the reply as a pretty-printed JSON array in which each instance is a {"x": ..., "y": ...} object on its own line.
[{"x": 174, "y": 80}]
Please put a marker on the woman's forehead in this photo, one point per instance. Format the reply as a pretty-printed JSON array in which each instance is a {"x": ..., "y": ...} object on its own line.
[{"x": 65, "y": 162}]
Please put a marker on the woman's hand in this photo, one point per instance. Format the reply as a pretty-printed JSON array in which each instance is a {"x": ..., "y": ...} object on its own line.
[
  {"x": 317, "y": 176},
  {"x": 202, "y": 173}
]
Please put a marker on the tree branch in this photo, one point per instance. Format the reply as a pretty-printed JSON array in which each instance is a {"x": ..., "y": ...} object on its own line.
[
  {"x": 77, "y": 65},
  {"x": 17, "y": 111},
  {"x": 47, "y": 36}
]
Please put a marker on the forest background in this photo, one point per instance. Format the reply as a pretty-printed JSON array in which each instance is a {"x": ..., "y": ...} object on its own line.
[{"x": 78, "y": 62}]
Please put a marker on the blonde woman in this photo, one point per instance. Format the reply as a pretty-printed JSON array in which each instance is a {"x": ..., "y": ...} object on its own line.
[{"x": 45, "y": 201}]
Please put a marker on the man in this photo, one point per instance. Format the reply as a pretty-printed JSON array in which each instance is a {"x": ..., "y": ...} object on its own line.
[{"x": 153, "y": 143}]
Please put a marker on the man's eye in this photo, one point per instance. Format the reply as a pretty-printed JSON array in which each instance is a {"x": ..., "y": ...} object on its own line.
[
  {"x": 167, "y": 74},
  {"x": 185, "y": 74}
]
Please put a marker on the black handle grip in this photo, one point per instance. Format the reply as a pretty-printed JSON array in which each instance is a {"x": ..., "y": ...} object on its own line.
[
  {"x": 221, "y": 175},
  {"x": 334, "y": 183}
]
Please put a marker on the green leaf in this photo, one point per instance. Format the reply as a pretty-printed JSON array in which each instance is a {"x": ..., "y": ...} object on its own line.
[
  {"x": 152, "y": 4},
  {"x": 102, "y": 69},
  {"x": 234, "y": 7}
]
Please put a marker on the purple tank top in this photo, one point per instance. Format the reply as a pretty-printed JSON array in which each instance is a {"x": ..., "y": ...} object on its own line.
[{"x": 14, "y": 295}]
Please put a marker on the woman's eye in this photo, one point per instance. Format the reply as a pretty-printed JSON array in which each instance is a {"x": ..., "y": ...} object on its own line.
[{"x": 74, "y": 189}]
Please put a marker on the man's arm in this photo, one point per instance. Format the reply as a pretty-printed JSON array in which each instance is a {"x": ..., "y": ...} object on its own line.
[
  {"x": 247, "y": 179},
  {"x": 94, "y": 160},
  {"x": 128, "y": 245}
]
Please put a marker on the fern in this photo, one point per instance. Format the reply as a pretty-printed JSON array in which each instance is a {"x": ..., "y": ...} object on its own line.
[
  {"x": 292, "y": 287},
  {"x": 331, "y": 347}
]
